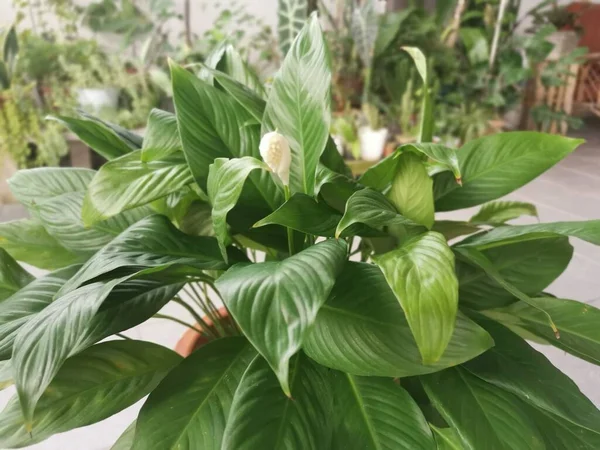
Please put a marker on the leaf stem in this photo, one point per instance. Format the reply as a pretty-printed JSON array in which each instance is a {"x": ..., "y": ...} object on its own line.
[
  {"x": 290, "y": 232},
  {"x": 196, "y": 317},
  {"x": 179, "y": 321}
]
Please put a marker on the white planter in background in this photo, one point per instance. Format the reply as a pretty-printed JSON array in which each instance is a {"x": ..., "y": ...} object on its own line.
[
  {"x": 564, "y": 43},
  {"x": 94, "y": 100},
  {"x": 372, "y": 143}
]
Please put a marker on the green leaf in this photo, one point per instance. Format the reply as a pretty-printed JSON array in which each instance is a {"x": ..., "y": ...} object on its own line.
[
  {"x": 577, "y": 323},
  {"x": 262, "y": 417},
  {"x": 6, "y": 374},
  {"x": 275, "y": 303},
  {"x": 446, "y": 438},
  {"x": 364, "y": 27},
  {"x": 237, "y": 68},
  {"x": 503, "y": 211},
  {"x": 588, "y": 230},
  {"x": 484, "y": 416},
  {"x": 291, "y": 16},
  {"x": 529, "y": 266},
  {"x": 128, "y": 182},
  {"x": 100, "y": 138},
  {"x": 20, "y": 307},
  {"x": 380, "y": 175},
  {"x": 27, "y": 241},
  {"x": 496, "y": 165},
  {"x": 412, "y": 190},
  {"x": 427, "y": 125},
  {"x": 225, "y": 183},
  {"x": 299, "y": 110},
  {"x": 184, "y": 406},
  {"x": 125, "y": 441},
  {"x": 514, "y": 366},
  {"x": 440, "y": 158},
  {"x": 421, "y": 274},
  {"x": 246, "y": 97},
  {"x": 133, "y": 140},
  {"x": 452, "y": 229},
  {"x": 162, "y": 136},
  {"x": 88, "y": 388},
  {"x": 390, "y": 24},
  {"x": 362, "y": 314},
  {"x": 376, "y": 413},
  {"x": 12, "y": 276},
  {"x": 371, "y": 208}
]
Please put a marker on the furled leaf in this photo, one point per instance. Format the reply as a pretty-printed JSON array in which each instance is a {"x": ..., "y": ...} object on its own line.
[
  {"x": 128, "y": 182},
  {"x": 371, "y": 208},
  {"x": 275, "y": 303},
  {"x": 188, "y": 411},
  {"x": 261, "y": 416},
  {"x": 496, "y": 165},
  {"x": 485, "y": 416},
  {"x": 412, "y": 190},
  {"x": 291, "y": 15},
  {"x": 27, "y": 241},
  {"x": 421, "y": 275},
  {"x": 503, "y": 211},
  {"x": 299, "y": 110},
  {"x": 427, "y": 124},
  {"x": 162, "y": 136},
  {"x": 12, "y": 276},
  {"x": 88, "y": 388},
  {"x": 362, "y": 330},
  {"x": 376, "y": 413}
]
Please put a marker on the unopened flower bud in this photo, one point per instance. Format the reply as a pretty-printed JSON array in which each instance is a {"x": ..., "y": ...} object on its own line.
[{"x": 275, "y": 151}]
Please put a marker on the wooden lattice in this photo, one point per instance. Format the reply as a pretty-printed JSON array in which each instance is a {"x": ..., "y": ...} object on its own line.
[{"x": 588, "y": 84}]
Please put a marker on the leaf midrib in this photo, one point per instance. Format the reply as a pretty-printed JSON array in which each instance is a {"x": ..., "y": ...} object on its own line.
[{"x": 361, "y": 406}]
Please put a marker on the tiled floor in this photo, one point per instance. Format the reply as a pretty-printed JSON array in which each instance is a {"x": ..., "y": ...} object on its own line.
[{"x": 569, "y": 191}]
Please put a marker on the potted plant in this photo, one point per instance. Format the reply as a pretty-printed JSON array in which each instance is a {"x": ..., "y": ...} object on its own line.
[
  {"x": 357, "y": 323},
  {"x": 565, "y": 22}
]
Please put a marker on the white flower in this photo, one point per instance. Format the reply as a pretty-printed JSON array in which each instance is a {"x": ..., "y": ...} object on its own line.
[{"x": 275, "y": 151}]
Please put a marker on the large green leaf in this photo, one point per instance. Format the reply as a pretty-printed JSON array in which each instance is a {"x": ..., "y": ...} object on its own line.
[
  {"x": 588, "y": 230},
  {"x": 88, "y": 388},
  {"x": 127, "y": 182},
  {"x": 412, "y": 190},
  {"x": 27, "y": 241},
  {"x": 189, "y": 409},
  {"x": 577, "y": 323},
  {"x": 421, "y": 274},
  {"x": 503, "y": 211},
  {"x": 514, "y": 366},
  {"x": 529, "y": 266},
  {"x": 427, "y": 124},
  {"x": 485, "y": 416},
  {"x": 454, "y": 228},
  {"x": 12, "y": 276},
  {"x": 371, "y": 208},
  {"x": 446, "y": 438},
  {"x": 374, "y": 414},
  {"x": 275, "y": 303},
  {"x": 162, "y": 137},
  {"x": 234, "y": 65},
  {"x": 262, "y": 417},
  {"x": 291, "y": 16},
  {"x": 35, "y": 185},
  {"x": 496, "y": 165},
  {"x": 246, "y": 97},
  {"x": 362, "y": 330},
  {"x": 132, "y": 139},
  {"x": 299, "y": 110},
  {"x": 17, "y": 309}
]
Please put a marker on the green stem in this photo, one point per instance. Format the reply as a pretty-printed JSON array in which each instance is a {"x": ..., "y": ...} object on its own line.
[
  {"x": 179, "y": 321},
  {"x": 290, "y": 232},
  {"x": 122, "y": 336},
  {"x": 196, "y": 316}
]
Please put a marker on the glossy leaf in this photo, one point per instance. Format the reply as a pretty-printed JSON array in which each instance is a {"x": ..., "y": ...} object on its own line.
[
  {"x": 412, "y": 190},
  {"x": 421, "y": 275},
  {"x": 162, "y": 136},
  {"x": 245, "y": 96},
  {"x": 128, "y": 182},
  {"x": 27, "y": 241},
  {"x": 234, "y": 65},
  {"x": 503, "y": 211},
  {"x": 88, "y": 388},
  {"x": 263, "y": 417},
  {"x": 299, "y": 110},
  {"x": 496, "y": 165},
  {"x": 291, "y": 15},
  {"x": 189, "y": 409},
  {"x": 453, "y": 228},
  {"x": 427, "y": 123},
  {"x": 132, "y": 139},
  {"x": 440, "y": 157},
  {"x": 362, "y": 330},
  {"x": 371, "y": 208},
  {"x": 275, "y": 303},
  {"x": 380, "y": 175},
  {"x": 376, "y": 413},
  {"x": 484, "y": 416},
  {"x": 446, "y": 438},
  {"x": 125, "y": 441},
  {"x": 12, "y": 276}
]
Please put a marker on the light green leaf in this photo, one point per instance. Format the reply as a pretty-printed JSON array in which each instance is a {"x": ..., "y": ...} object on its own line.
[
  {"x": 162, "y": 137},
  {"x": 371, "y": 208},
  {"x": 421, "y": 274},
  {"x": 6, "y": 374},
  {"x": 427, "y": 125},
  {"x": 484, "y": 416},
  {"x": 376, "y": 413},
  {"x": 27, "y": 241},
  {"x": 128, "y": 182},
  {"x": 446, "y": 438},
  {"x": 362, "y": 314},
  {"x": 88, "y": 388},
  {"x": 125, "y": 441},
  {"x": 12, "y": 276},
  {"x": 245, "y": 96},
  {"x": 452, "y": 229},
  {"x": 275, "y": 303},
  {"x": 181, "y": 410},
  {"x": 291, "y": 16},
  {"x": 412, "y": 190},
  {"x": 237, "y": 68},
  {"x": 299, "y": 110},
  {"x": 364, "y": 28},
  {"x": 503, "y": 211},
  {"x": 261, "y": 417},
  {"x": 34, "y": 185},
  {"x": 197, "y": 220},
  {"x": 444, "y": 158},
  {"x": 496, "y": 165}
]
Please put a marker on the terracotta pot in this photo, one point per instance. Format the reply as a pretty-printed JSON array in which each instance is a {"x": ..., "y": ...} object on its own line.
[{"x": 192, "y": 340}]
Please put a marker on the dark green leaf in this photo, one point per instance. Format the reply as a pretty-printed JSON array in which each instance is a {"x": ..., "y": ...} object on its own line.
[
  {"x": 427, "y": 125},
  {"x": 389, "y": 26},
  {"x": 125, "y": 441},
  {"x": 452, "y": 229},
  {"x": 133, "y": 140},
  {"x": 503, "y": 211},
  {"x": 245, "y": 96},
  {"x": 446, "y": 438},
  {"x": 162, "y": 136},
  {"x": 12, "y": 276},
  {"x": 291, "y": 16},
  {"x": 440, "y": 158}
]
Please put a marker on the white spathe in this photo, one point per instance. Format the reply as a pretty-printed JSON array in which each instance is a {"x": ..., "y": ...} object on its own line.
[
  {"x": 372, "y": 143},
  {"x": 275, "y": 151}
]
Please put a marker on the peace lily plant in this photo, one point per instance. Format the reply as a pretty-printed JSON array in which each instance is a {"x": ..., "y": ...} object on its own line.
[{"x": 356, "y": 319}]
